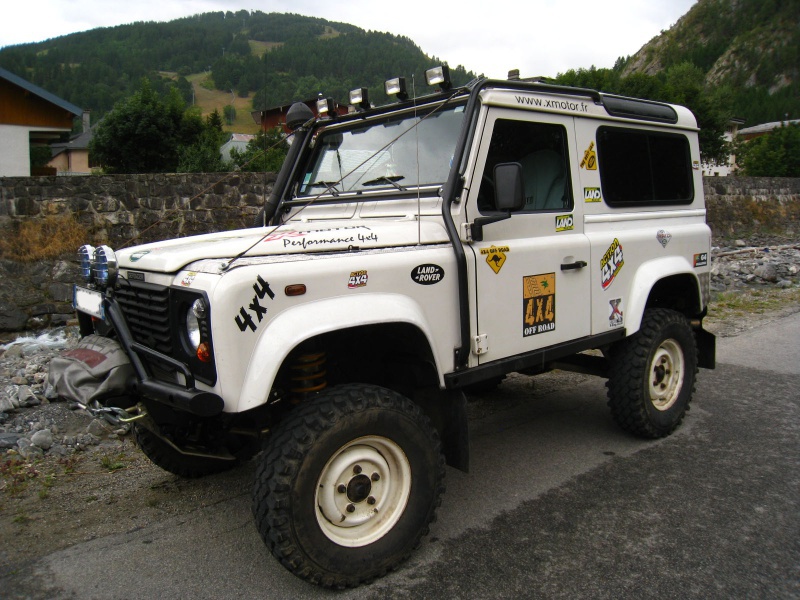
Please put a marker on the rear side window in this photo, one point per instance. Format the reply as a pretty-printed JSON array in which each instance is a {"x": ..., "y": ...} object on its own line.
[{"x": 644, "y": 167}]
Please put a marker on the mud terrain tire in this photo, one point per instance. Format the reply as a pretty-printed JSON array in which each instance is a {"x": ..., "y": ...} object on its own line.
[
  {"x": 348, "y": 485},
  {"x": 652, "y": 375}
]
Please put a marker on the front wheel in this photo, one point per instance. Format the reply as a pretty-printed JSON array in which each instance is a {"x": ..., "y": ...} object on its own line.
[
  {"x": 348, "y": 485},
  {"x": 652, "y": 375}
]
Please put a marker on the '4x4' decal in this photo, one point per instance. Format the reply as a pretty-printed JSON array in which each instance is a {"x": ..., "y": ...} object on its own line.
[{"x": 243, "y": 319}]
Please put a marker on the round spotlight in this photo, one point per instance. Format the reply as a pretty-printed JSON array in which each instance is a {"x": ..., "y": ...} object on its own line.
[
  {"x": 104, "y": 267},
  {"x": 85, "y": 257}
]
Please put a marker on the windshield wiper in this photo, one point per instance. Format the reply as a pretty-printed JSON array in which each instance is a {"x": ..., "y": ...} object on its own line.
[
  {"x": 387, "y": 179},
  {"x": 330, "y": 185}
]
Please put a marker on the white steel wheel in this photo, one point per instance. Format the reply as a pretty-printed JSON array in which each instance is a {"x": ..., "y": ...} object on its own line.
[
  {"x": 363, "y": 491},
  {"x": 666, "y": 374}
]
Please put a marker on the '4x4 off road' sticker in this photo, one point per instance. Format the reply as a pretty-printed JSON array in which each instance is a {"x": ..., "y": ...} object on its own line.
[
  {"x": 538, "y": 304},
  {"x": 495, "y": 256},
  {"x": 611, "y": 264}
]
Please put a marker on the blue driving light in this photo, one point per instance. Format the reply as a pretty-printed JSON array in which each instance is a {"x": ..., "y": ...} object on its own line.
[
  {"x": 85, "y": 256},
  {"x": 104, "y": 267}
]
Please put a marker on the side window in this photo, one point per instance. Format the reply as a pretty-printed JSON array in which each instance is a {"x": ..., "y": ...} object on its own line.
[
  {"x": 644, "y": 167},
  {"x": 541, "y": 151}
]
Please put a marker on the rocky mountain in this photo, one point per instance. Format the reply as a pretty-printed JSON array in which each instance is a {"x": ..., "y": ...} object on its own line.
[{"x": 750, "y": 47}]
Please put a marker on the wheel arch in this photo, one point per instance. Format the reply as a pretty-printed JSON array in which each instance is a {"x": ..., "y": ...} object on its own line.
[
  {"x": 668, "y": 282},
  {"x": 400, "y": 319}
]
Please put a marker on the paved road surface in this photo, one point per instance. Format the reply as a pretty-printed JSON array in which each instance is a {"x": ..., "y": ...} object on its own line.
[{"x": 559, "y": 504}]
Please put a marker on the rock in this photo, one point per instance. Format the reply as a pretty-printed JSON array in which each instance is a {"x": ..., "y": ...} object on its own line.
[
  {"x": 27, "y": 450},
  {"x": 43, "y": 439},
  {"x": 9, "y": 440},
  {"x": 767, "y": 272},
  {"x": 14, "y": 351},
  {"x": 5, "y": 403},
  {"x": 19, "y": 380},
  {"x": 26, "y": 397},
  {"x": 740, "y": 244}
]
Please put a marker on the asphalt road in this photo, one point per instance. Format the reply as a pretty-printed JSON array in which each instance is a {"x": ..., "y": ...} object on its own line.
[{"x": 559, "y": 504}]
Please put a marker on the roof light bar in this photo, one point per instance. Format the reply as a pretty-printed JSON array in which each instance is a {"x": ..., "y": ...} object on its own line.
[
  {"x": 439, "y": 75},
  {"x": 326, "y": 107},
  {"x": 396, "y": 87},
  {"x": 359, "y": 98}
]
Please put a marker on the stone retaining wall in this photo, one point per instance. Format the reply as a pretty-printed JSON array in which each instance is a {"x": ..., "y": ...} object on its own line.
[{"x": 114, "y": 210}]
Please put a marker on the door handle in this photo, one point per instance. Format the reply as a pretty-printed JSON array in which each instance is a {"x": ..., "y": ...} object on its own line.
[{"x": 578, "y": 264}]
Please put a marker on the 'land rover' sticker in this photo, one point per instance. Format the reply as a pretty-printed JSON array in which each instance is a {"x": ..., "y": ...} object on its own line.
[
  {"x": 565, "y": 223},
  {"x": 137, "y": 255},
  {"x": 427, "y": 274},
  {"x": 663, "y": 237},
  {"x": 592, "y": 194},
  {"x": 611, "y": 263},
  {"x": 538, "y": 304}
]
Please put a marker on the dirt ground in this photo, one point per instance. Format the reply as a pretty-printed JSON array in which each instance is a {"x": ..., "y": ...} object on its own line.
[{"x": 112, "y": 488}]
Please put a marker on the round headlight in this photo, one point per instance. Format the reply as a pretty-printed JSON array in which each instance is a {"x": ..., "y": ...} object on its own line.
[
  {"x": 85, "y": 256},
  {"x": 199, "y": 308},
  {"x": 104, "y": 266},
  {"x": 193, "y": 329}
]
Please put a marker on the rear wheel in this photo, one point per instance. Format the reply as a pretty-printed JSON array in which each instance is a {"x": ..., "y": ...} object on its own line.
[
  {"x": 652, "y": 375},
  {"x": 348, "y": 485}
]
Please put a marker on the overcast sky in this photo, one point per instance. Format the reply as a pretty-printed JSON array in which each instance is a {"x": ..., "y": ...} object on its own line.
[{"x": 539, "y": 37}]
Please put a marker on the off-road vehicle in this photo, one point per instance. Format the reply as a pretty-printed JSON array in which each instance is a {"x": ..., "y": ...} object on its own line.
[{"x": 406, "y": 252}]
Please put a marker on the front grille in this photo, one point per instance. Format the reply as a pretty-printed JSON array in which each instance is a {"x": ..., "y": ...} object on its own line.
[{"x": 146, "y": 310}]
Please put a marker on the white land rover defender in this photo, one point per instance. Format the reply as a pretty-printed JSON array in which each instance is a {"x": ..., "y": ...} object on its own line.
[{"x": 407, "y": 252}]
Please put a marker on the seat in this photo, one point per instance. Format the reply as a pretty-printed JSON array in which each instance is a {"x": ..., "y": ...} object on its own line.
[{"x": 545, "y": 180}]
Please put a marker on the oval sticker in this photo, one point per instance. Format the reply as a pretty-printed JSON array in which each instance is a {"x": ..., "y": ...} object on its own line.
[{"x": 427, "y": 274}]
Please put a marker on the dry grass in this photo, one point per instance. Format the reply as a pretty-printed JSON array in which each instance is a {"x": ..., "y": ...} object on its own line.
[{"x": 42, "y": 239}]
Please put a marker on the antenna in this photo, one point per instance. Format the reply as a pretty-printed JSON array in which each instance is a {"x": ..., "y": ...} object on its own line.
[{"x": 416, "y": 135}]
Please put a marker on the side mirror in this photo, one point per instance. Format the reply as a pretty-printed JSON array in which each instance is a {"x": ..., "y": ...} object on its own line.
[{"x": 508, "y": 186}]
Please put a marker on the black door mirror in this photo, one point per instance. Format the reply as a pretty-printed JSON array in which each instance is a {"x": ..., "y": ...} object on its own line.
[{"x": 508, "y": 186}]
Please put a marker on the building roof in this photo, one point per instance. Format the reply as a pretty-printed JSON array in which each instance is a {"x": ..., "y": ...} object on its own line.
[
  {"x": 241, "y": 137},
  {"x": 78, "y": 142},
  {"x": 765, "y": 127},
  {"x": 44, "y": 94}
]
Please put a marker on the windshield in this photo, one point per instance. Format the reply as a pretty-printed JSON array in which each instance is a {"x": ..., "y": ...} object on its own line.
[{"x": 391, "y": 154}]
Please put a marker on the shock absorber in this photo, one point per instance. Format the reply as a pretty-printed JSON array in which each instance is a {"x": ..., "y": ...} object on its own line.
[{"x": 308, "y": 375}]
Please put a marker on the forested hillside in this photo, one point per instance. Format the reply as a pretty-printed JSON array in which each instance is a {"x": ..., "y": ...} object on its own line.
[
  {"x": 269, "y": 59},
  {"x": 747, "y": 49}
]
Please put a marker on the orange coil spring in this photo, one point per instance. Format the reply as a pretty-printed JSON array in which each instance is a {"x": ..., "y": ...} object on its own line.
[{"x": 308, "y": 373}]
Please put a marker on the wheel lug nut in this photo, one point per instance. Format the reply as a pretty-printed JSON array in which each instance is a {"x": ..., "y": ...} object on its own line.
[
  {"x": 375, "y": 477},
  {"x": 371, "y": 500},
  {"x": 357, "y": 469},
  {"x": 351, "y": 508},
  {"x": 342, "y": 488}
]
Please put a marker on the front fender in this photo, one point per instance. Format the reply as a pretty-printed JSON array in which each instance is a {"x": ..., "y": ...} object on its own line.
[
  {"x": 650, "y": 273},
  {"x": 283, "y": 334}
]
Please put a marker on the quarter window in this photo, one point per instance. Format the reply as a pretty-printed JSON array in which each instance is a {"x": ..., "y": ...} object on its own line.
[{"x": 640, "y": 167}]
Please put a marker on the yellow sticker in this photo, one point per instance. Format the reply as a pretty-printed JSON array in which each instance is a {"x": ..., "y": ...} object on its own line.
[
  {"x": 538, "y": 304},
  {"x": 495, "y": 256},
  {"x": 589, "y": 161}
]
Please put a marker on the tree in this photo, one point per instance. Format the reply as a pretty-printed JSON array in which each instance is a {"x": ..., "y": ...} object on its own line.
[
  {"x": 265, "y": 152},
  {"x": 203, "y": 156},
  {"x": 776, "y": 154}
]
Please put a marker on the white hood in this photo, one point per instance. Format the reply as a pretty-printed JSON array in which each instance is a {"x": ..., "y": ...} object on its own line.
[{"x": 293, "y": 238}]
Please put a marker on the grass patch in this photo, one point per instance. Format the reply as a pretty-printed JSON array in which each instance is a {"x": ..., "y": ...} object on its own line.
[
  {"x": 113, "y": 461},
  {"x": 42, "y": 239},
  {"x": 752, "y": 301}
]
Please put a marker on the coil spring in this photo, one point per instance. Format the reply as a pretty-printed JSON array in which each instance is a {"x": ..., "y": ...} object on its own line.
[{"x": 308, "y": 374}]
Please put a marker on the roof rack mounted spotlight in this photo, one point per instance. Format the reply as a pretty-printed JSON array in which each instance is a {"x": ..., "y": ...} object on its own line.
[
  {"x": 396, "y": 87},
  {"x": 439, "y": 75},
  {"x": 359, "y": 98},
  {"x": 326, "y": 108}
]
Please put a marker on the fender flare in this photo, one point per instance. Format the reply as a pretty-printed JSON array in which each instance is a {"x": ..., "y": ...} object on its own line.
[
  {"x": 282, "y": 335},
  {"x": 647, "y": 276}
]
